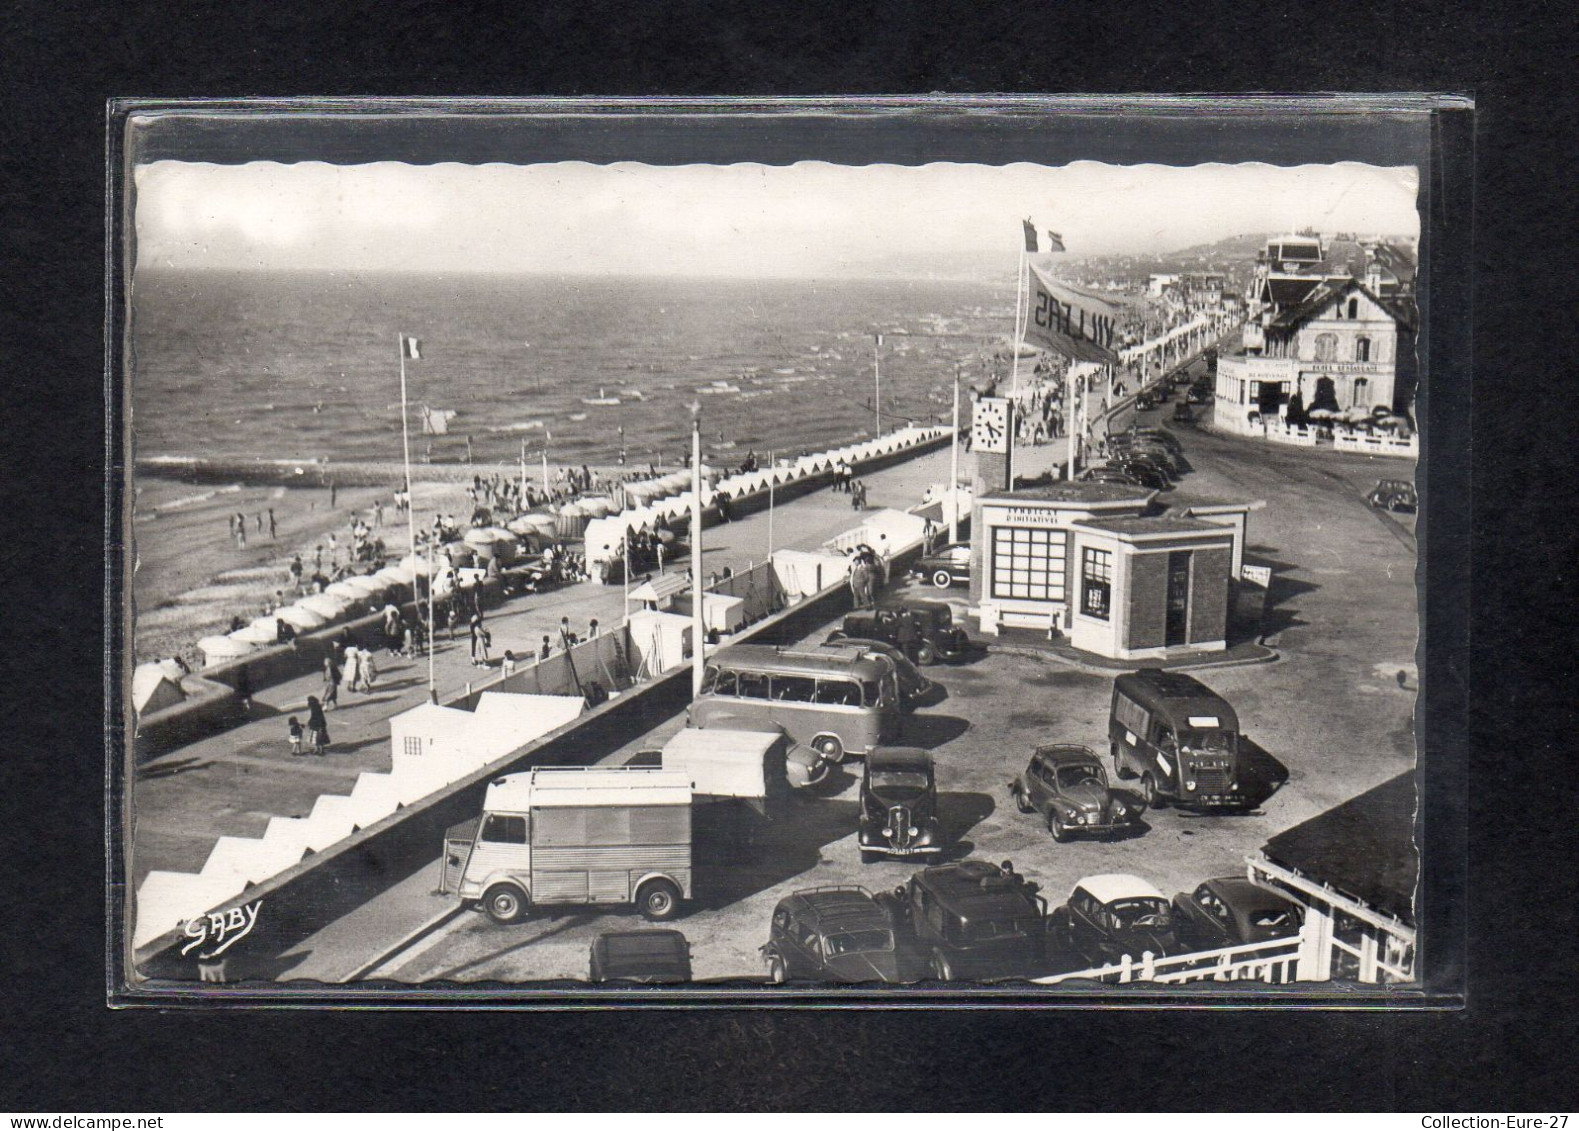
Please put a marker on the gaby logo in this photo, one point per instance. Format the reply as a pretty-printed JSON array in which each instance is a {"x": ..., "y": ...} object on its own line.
[{"x": 223, "y": 929}]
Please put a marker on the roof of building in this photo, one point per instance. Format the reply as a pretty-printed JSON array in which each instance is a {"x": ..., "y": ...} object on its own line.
[
  {"x": 1073, "y": 494},
  {"x": 1364, "y": 848},
  {"x": 661, "y": 587},
  {"x": 1331, "y": 291},
  {"x": 1119, "y": 885},
  {"x": 1136, "y": 526}
]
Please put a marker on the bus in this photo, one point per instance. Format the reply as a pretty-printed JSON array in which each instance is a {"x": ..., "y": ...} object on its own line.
[
  {"x": 1178, "y": 736},
  {"x": 838, "y": 704}
]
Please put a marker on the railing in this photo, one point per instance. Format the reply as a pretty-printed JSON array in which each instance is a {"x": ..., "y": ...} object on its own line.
[
  {"x": 1377, "y": 445},
  {"x": 1275, "y": 962}
]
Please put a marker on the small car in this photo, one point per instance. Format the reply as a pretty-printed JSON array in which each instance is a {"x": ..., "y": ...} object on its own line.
[
  {"x": 1150, "y": 476},
  {"x": 899, "y": 805},
  {"x": 932, "y": 628},
  {"x": 1108, "y": 475},
  {"x": 1232, "y": 911},
  {"x": 974, "y": 919},
  {"x": 1199, "y": 394},
  {"x": 912, "y": 684},
  {"x": 652, "y": 957},
  {"x": 836, "y": 934},
  {"x": 1066, "y": 783},
  {"x": 1113, "y": 915},
  {"x": 948, "y": 566},
  {"x": 1394, "y": 495},
  {"x": 1183, "y": 413}
]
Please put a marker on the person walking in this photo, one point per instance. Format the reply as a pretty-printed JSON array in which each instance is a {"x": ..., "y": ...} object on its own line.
[
  {"x": 352, "y": 672},
  {"x": 332, "y": 675},
  {"x": 318, "y": 725},
  {"x": 296, "y": 574},
  {"x": 929, "y": 537},
  {"x": 547, "y": 649},
  {"x": 479, "y": 641},
  {"x": 369, "y": 670}
]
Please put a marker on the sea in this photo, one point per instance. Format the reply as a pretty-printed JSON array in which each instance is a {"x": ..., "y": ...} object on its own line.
[{"x": 307, "y": 365}]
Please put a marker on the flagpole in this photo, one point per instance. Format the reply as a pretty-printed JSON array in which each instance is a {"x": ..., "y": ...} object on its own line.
[
  {"x": 953, "y": 487},
  {"x": 771, "y": 478},
  {"x": 1070, "y": 424},
  {"x": 405, "y": 443},
  {"x": 877, "y": 378},
  {"x": 698, "y": 632},
  {"x": 433, "y": 633},
  {"x": 522, "y": 505}
]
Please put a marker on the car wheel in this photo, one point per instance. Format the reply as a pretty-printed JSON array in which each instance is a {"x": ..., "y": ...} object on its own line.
[
  {"x": 926, "y": 654},
  {"x": 830, "y": 748},
  {"x": 1148, "y": 792},
  {"x": 942, "y": 579},
  {"x": 941, "y": 970},
  {"x": 778, "y": 974},
  {"x": 1054, "y": 826},
  {"x": 1022, "y": 802},
  {"x": 1119, "y": 769},
  {"x": 504, "y": 903},
  {"x": 658, "y": 900}
]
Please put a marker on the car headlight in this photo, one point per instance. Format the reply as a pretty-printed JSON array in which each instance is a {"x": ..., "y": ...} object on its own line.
[
  {"x": 1189, "y": 785},
  {"x": 912, "y": 831}
]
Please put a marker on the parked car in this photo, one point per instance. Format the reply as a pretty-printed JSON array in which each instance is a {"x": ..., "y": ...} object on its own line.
[
  {"x": 1066, "y": 783},
  {"x": 1232, "y": 911},
  {"x": 1115, "y": 914},
  {"x": 912, "y": 684},
  {"x": 899, "y": 805},
  {"x": 1394, "y": 495},
  {"x": 974, "y": 920},
  {"x": 655, "y": 957},
  {"x": 949, "y": 566},
  {"x": 1131, "y": 448},
  {"x": 1155, "y": 435},
  {"x": 935, "y": 635},
  {"x": 836, "y": 934},
  {"x": 1183, "y": 413},
  {"x": 1199, "y": 394},
  {"x": 1150, "y": 476},
  {"x": 1109, "y": 474}
]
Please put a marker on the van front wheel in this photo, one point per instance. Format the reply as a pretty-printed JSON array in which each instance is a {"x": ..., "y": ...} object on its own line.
[
  {"x": 504, "y": 903},
  {"x": 1149, "y": 793},
  {"x": 658, "y": 900},
  {"x": 1118, "y": 765}
]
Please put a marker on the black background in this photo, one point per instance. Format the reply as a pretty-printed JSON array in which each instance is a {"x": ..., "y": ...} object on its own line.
[{"x": 1511, "y": 1048}]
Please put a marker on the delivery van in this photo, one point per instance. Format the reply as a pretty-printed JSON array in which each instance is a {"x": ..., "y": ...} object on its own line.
[
  {"x": 1178, "y": 736},
  {"x": 580, "y": 836}
]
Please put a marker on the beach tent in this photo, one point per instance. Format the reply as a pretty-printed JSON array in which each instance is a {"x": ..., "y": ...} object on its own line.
[
  {"x": 264, "y": 630},
  {"x": 418, "y": 564},
  {"x": 391, "y": 576},
  {"x": 218, "y": 649},
  {"x": 346, "y": 591},
  {"x": 154, "y": 688},
  {"x": 363, "y": 586},
  {"x": 325, "y": 605},
  {"x": 597, "y": 506},
  {"x": 301, "y": 619}
]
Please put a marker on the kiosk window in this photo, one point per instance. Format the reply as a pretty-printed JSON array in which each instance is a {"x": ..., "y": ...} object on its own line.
[
  {"x": 1028, "y": 563},
  {"x": 504, "y": 830},
  {"x": 1096, "y": 572}
]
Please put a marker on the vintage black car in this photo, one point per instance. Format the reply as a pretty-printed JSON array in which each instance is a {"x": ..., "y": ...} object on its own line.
[
  {"x": 948, "y": 566},
  {"x": 1199, "y": 394},
  {"x": 1183, "y": 413},
  {"x": 654, "y": 957},
  {"x": 1155, "y": 436},
  {"x": 1394, "y": 495},
  {"x": 899, "y": 805},
  {"x": 1067, "y": 785},
  {"x": 1113, "y": 915},
  {"x": 931, "y": 636},
  {"x": 974, "y": 920},
  {"x": 1147, "y": 474},
  {"x": 1232, "y": 911},
  {"x": 836, "y": 934},
  {"x": 912, "y": 684}
]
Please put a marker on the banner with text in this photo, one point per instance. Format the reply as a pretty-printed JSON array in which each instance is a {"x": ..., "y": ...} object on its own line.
[{"x": 1070, "y": 320}]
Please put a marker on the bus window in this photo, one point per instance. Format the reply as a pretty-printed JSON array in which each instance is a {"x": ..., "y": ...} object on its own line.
[
  {"x": 838, "y": 692},
  {"x": 723, "y": 684},
  {"x": 794, "y": 688},
  {"x": 753, "y": 685},
  {"x": 871, "y": 692}
]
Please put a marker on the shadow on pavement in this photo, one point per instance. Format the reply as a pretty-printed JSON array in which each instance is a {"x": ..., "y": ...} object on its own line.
[
  {"x": 931, "y": 731},
  {"x": 779, "y": 851}
]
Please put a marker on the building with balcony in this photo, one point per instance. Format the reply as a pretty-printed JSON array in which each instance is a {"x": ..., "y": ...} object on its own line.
[{"x": 1331, "y": 328}]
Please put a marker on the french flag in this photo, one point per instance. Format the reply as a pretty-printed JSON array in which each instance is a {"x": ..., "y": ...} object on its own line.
[{"x": 411, "y": 347}]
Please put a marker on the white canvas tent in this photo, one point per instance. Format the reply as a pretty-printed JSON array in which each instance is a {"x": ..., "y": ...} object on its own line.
[{"x": 154, "y": 688}]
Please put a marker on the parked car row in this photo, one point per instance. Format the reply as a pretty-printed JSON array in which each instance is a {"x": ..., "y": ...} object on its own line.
[
  {"x": 978, "y": 921},
  {"x": 1140, "y": 457}
]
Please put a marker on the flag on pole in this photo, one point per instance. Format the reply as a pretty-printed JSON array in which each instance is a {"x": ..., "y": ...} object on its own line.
[
  {"x": 411, "y": 347},
  {"x": 1030, "y": 236},
  {"x": 1070, "y": 320},
  {"x": 1055, "y": 242}
]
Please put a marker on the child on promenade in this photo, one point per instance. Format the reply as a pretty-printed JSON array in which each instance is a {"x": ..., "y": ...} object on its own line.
[{"x": 295, "y": 730}]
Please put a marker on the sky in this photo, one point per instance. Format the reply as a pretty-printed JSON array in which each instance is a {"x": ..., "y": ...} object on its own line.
[{"x": 810, "y": 219}]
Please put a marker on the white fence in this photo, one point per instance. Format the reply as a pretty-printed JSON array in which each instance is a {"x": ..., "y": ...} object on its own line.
[
  {"x": 1276, "y": 962},
  {"x": 1377, "y": 445}
]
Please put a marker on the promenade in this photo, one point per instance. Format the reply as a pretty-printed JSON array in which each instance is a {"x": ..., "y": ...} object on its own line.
[{"x": 230, "y": 784}]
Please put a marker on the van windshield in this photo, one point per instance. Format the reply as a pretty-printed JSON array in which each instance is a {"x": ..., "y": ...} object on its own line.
[{"x": 1214, "y": 741}]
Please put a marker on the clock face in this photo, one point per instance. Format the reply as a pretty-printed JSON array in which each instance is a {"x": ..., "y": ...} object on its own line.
[{"x": 990, "y": 425}]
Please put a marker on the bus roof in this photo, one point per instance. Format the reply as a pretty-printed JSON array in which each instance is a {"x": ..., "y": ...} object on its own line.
[
  {"x": 573, "y": 787},
  {"x": 765, "y": 658}
]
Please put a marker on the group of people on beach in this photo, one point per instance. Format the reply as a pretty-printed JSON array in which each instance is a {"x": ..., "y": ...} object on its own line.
[{"x": 238, "y": 526}]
